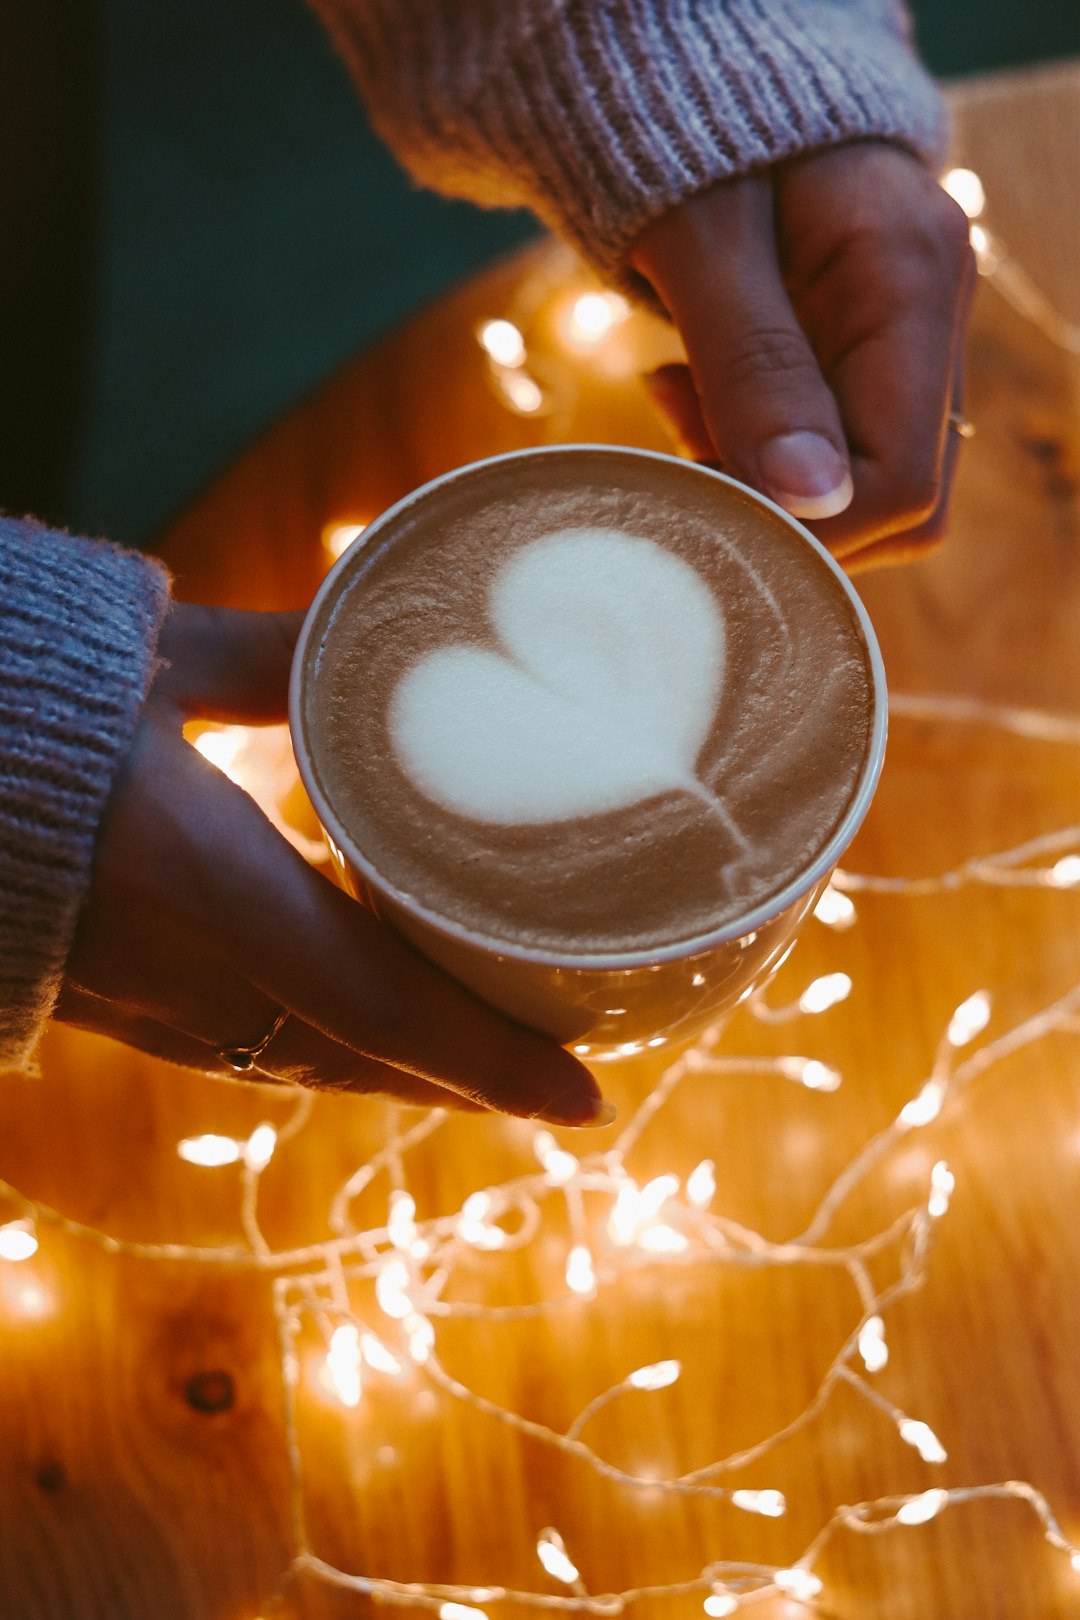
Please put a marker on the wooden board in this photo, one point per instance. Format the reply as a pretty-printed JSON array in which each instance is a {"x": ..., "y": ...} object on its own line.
[{"x": 144, "y": 1466}]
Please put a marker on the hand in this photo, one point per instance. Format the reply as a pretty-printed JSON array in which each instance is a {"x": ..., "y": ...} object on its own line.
[
  {"x": 202, "y": 923},
  {"x": 822, "y": 304}
]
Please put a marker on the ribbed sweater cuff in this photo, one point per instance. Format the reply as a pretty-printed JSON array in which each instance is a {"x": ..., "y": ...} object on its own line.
[
  {"x": 602, "y": 114},
  {"x": 79, "y": 622}
]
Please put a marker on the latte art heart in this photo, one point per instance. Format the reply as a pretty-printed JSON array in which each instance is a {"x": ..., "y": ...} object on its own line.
[{"x": 599, "y": 695}]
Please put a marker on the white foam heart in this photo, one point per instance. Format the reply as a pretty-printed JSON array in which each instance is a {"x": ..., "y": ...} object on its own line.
[{"x": 612, "y": 661}]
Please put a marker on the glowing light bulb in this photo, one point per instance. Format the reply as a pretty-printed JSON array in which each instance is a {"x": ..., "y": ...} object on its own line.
[
  {"x": 502, "y": 342},
  {"x": 800, "y": 1584},
  {"x": 701, "y": 1184},
  {"x": 580, "y": 1276},
  {"x": 259, "y": 1147},
  {"x": 1065, "y": 874},
  {"x": 377, "y": 1355},
  {"x": 626, "y": 1213},
  {"x": 655, "y": 1194},
  {"x": 965, "y": 188},
  {"x": 209, "y": 1150},
  {"x": 1074, "y": 1560},
  {"x": 461, "y": 1611},
  {"x": 942, "y": 1182},
  {"x": 921, "y": 1509},
  {"x": 811, "y": 1073},
  {"x": 923, "y": 1108},
  {"x": 523, "y": 392},
  {"x": 338, "y": 537},
  {"x": 342, "y": 1370},
  {"x": 390, "y": 1289},
  {"x": 834, "y": 909},
  {"x": 770, "y": 1504},
  {"x": 969, "y": 1019},
  {"x": 476, "y": 1206},
  {"x": 872, "y": 1346},
  {"x": 828, "y": 991},
  {"x": 420, "y": 1336},
  {"x": 401, "y": 1220},
  {"x": 923, "y": 1439},
  {"x": 662, "y": 1239},
  {"x": 593, "y": 315},
  {"x": 559, "y": 1166},
  {"x": 698, "y": 980},
  {"x": 658, "y": 1375},
  {"x": 17, "y": 1241},
  {"x": 551, "y": 1551},
  {"x": 719, "y": 1604}
]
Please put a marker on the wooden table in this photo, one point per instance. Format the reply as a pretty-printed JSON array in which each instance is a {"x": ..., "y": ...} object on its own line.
[{"x": 144, "y": 1462}]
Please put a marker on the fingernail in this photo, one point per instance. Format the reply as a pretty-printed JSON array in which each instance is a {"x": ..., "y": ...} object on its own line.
[
  {"x": 805, "y": 475},
  {"x": 571, "y": 1108}
]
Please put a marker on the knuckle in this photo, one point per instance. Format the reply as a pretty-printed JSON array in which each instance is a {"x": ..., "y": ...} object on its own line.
[{"x": 775, "y": 357}]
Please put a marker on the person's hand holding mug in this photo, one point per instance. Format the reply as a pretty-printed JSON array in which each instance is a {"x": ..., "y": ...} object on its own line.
[
  {"x": 203, "y": 926},
  {"x": 822, "y": 303}
]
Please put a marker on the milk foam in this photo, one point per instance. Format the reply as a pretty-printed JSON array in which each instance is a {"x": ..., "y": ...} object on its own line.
[
  {"x": 601, "y": 694},
  {"x": 588, "y": 703}
]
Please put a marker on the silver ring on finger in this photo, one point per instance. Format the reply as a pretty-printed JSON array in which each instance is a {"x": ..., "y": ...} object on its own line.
[{"x": 242, "y": 1058}]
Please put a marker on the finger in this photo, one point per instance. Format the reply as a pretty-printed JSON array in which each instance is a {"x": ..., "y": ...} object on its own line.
[
  {"x": 297, "y": 1055},
  {"x": 894, "y": 382},
  {"x": 672, "y": 390},
  {"x": 276, "y": 924},
  {"x": 769, "y": 412},
  {"x": 224, "y": 664},
  {"x": 918, "y": 542}
]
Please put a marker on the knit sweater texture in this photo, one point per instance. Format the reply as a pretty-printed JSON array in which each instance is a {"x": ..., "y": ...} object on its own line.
[{"x": 599, "y": 115}]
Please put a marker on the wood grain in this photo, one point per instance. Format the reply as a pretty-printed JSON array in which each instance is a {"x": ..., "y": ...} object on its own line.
[{"x": 143, "y": 1468}]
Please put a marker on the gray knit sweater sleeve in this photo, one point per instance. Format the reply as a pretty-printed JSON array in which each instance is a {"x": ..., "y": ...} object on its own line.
[
  {"x": 599, "y": 115},
  {"x": 79, "y": 623}
]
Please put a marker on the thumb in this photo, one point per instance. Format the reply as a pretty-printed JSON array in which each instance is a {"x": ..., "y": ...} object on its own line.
[
  {"x": 224, "y": 664},
  {"x": 768, "y": 409}
]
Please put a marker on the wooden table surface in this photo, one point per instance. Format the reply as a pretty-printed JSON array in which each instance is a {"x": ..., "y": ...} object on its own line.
[{"x": 144, "y": 1467}]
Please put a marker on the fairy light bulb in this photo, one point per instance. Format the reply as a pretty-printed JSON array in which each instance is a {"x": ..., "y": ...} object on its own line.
[
  {"x": 811, "y": 1073},
  {"x": 658, "y": 1375},
  {"x": 503, "y": 343},
  {"x": 942, "y": 1182},
  {"x": 799, "y": 1583},
  {"x": 523, "y": 392},
  {"x": 259, "y": 1147},
  {"x": 420, "y": 1336},
  {"x": 209, "y": 1150},
  {"x": 551, "y": 1551},
  {"x": 626, "y": 1213},
  {"x": 461, "y": 1611},
  {"x": 701, "y": 1184},
  {"x": 921, "y": 1509},
  {"x": 338, "y": 537},
  {"x": 401, "y": 1220},
  {"x": 580, "y": 1275},
  {"x": 559, "y": 1166},
  {"x": 593, "y": 316},
  {"x": 377, "y": 1355},
  {"x": 924, "y": 1108},
  {"x": 827, "y": 991},
  {"x": 18, "y": 1241},
  {"x": 390, "y": 1289},
  {"x": 834, "y": 909},
  {"x": 655, "y": 1194},
  {"x": 872, "y": 1345},
  {"x": 662, "y": 1239},
  {"x": 969, "y": 1019},
  {"x": 1074, "y": 1562},
  {"x": 719, "y": 1604},
  {"x": 770, "y": 1504},
  {"x": 1065, "y": 873},
  {"x": 965, "y": 188},
  {"x": 921, "y": 1437},
  {"x": 343, "y": 1364}
]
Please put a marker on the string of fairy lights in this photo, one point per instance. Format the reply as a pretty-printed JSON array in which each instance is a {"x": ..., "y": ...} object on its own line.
[{"x": 376, "y": 1298}]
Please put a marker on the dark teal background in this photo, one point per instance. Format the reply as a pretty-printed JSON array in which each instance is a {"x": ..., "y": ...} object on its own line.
[{"x": 253, "y": 233}]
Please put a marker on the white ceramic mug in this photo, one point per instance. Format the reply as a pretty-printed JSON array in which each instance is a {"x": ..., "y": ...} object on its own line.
[{"x": 607, "y": 1004}]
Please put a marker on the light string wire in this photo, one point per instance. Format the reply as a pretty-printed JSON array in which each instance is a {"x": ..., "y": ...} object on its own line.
[{"x": 665, "y": 1222}]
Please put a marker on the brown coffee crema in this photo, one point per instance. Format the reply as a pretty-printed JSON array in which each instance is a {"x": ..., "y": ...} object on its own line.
[{"x": 786, "y": 748}]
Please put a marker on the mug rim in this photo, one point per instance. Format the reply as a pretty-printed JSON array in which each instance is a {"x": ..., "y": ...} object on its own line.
[{"x": 604, "y": 961}]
